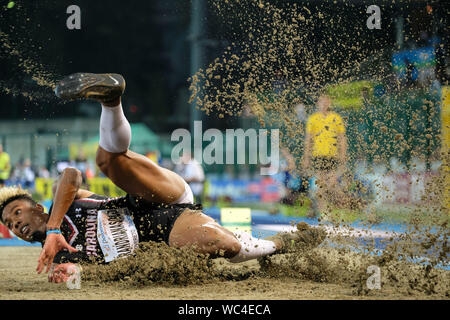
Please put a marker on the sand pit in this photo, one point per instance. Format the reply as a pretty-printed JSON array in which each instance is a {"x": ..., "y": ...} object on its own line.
[
  {"x": 313, "y": 277},
  {"x": 273, "y": 52}
]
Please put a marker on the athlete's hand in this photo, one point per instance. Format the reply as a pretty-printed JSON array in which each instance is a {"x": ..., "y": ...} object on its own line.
[
  {"x": 62, "y": 272},
  {"x": 54, "y": 243}
]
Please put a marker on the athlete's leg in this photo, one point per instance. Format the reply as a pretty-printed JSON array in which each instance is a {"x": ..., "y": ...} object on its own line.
[
  {"x": 139, "y": 176},
  {"x": 195, "y": 229},
  {"x": 132, "y": 172}
]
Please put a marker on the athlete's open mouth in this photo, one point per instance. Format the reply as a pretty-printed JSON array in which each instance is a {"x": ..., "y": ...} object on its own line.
[{"x": 25, "y": 230}]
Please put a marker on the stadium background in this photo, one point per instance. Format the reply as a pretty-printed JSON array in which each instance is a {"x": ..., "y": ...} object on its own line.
[{"x": 157, "y": 45}]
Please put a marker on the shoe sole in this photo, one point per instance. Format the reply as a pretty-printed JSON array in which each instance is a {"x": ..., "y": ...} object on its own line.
[{"x": 101, "y": 87}]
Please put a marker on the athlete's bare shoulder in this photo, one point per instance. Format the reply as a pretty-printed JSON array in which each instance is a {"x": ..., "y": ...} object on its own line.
[{"x": 81, "y": 194}]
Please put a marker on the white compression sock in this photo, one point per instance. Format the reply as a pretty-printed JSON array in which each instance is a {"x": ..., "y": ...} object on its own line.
[
  {"x": 115, "y": 130},
  {"x": 252, "y": 248}
]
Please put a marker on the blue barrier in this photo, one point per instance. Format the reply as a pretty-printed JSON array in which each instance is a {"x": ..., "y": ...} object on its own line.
[{"x": 15, "y": 242}]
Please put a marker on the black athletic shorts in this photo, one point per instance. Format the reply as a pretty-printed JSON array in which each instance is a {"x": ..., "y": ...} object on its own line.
[
  {"x": 324, "y": 164},
  {"x": 154, "y": 221},
  {"x": 2, "y": 181}
]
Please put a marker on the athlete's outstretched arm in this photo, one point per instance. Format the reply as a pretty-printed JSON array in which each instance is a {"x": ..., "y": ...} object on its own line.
[
  {"x": 67, "y": 188},
  {"x": 81, "y": 193},
  {"x": 66, "y": 191}
]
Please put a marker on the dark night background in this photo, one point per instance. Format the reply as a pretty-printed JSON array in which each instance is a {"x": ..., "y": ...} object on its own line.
[{"x": 148, "y": 42}]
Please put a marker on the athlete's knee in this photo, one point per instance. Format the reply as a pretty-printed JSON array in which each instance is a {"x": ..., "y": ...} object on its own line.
[
  {"x": 223, "y": 245},
  {"x": 233, "y": 246},
  {"x": 104, "y": 160},
  {"x": 221, "y": 239}
]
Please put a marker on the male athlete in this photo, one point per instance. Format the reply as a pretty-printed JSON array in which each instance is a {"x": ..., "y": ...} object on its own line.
[{"x": 159, "y": 205}]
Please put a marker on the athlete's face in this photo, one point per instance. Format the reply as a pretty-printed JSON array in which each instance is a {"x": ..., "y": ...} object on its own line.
[
  {"x": 25, "y": 220},
  {"x": 324, "y": 103}
]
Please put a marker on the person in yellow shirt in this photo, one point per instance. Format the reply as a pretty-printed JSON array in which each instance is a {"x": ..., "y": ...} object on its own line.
[
  {"x": 5, "y": 166},
  {"x": 325, "y": 151}
]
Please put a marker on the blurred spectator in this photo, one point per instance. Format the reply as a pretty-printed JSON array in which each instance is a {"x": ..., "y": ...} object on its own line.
[
  {"x": 300, "y": 112},
  {"x": 5, "y": 166},
  {"x": 295, "y": 182},
  {"x": 154, "y": 156},
  {"x": 192, "y": 172},
  {"x": 325, "y": 152},
  {"x": 61, "y": 165},
  {"x": 411, "y": 74},
  {"x": 43, "y": 173},
  {"x": 24, "y": 175},
  {"x": 81, "y": 162}
]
